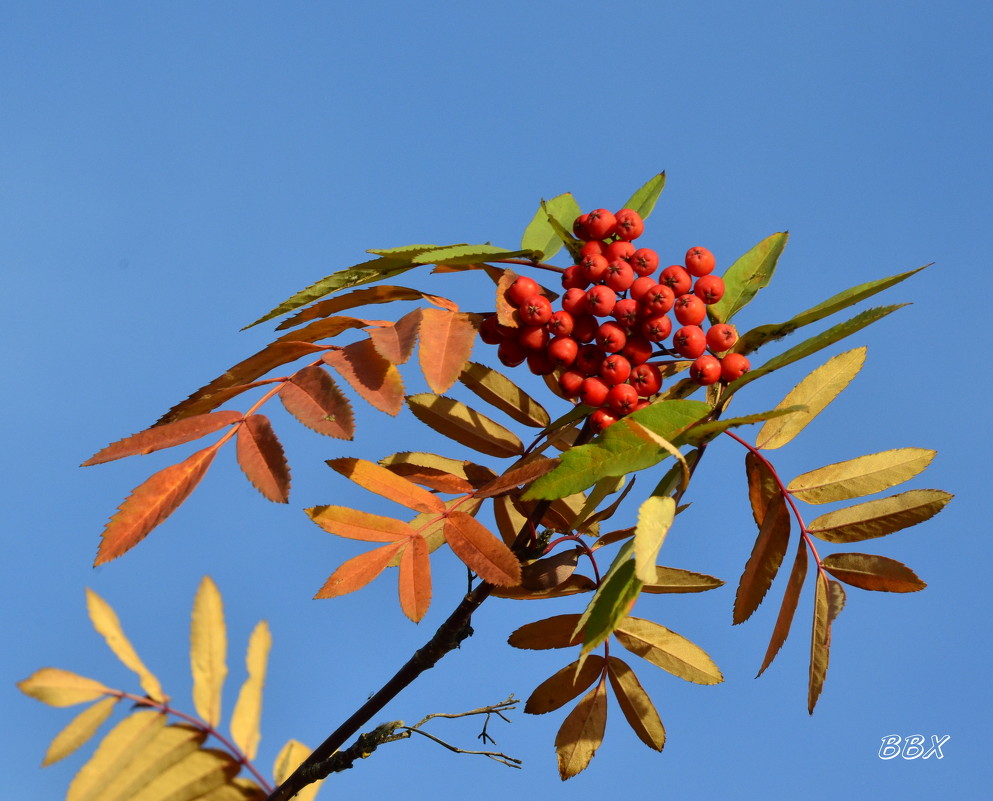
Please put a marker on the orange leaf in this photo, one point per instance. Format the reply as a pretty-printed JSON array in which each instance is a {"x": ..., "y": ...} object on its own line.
[
  {"x": 516, "y": 477},
  {"x": 165, "y": 436},
  {"x": 481, "y": 551},
  {"x": 396, "y": 342},
  {"x": 506, "y": 313},
  {"x": 766, "y": 557},
  {"x": 313, "y": 398},
  {"x": 561, "y": 687},
  {"x": 788, "y": 608},
  {"x": 358, "y": 525},
  {"x": 358, "y": 571},
  {"x": 372, "y": 376},
  {"x": 415, "y": 579},
  {"x": 378, "y": 479},
  {"x": 446, "y": 345},
  {"x": 362, "y": 297},
  {"x": 581, "y": 732},
  {"x": 261, "y": 457},
  {"x": 151, "y": 503},
  {"x": 550, "y": 632}
]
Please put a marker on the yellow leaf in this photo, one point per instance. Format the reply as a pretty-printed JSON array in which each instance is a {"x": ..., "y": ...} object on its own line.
[
  {"x": 465, "y": 425},
  {"x": 208, "y": 651},
  {"x": 106, "y": 623},
  {"x": 195, "y": 775},
  {"x": 638, "y": 709},
  {"x": 564, "y": 685},
  {"x": 57, "y": 687},
  {"x": 288, "y": 760},
  {"x": 655, "y": 516},
  {"x": 668, "y": 650},
  {"x": 169, "y": 746},
  {"x": 248, "y": 708},
  {"x": 878, "y": 518},
  {"x": 815, "y": 392},
  {"x": 238, "y": 790},
  {"x": 581, "y": 732},
  {"x": 80, "y": 729},
  {"x": 864, "y": 475},
  {"x": 869, "y": 572}
]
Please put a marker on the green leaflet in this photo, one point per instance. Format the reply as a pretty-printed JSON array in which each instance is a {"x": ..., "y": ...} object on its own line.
[
  {"x": 469, "y": 254},
  {"x": 610, "y": 603},
  {"x": 643, "y": 201},
  {"x": 750, "y": 273},
  {"x": 540, "y": 236}
]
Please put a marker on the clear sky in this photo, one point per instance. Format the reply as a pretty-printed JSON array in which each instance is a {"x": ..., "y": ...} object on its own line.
[{"x": 170, "y": 171}]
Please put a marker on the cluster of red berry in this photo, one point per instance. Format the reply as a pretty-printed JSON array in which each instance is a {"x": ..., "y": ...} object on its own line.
[{"x": 605, "y": 363}]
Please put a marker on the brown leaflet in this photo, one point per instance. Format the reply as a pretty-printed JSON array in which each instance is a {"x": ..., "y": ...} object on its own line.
[
  {"x": 484, "y": 554},
  {"x": 465, "y": 425},
  {"x": 517, "y": 476},
  {"x": 362, "y": 297},
  {"x": 870, "y": 572},
  {"x": 329, "y": 328},
  {"x": 378, "y": 479},
  {"x": 506, "y": 314},
  {"x": 613, "y": 536},
  {"x": 415, "y": 579},
  {"x": 574, "y": 585},
  {"x": 581, "y": 732},
  {"x": 432, "y": 477},
  {"x": 550, "y": 571},
  {"x": 373, "y": 377},
  {"x": 763, "y": 564},
  {"x": 358, "y": 571},
  {"x": 433, "y": 467},
  {"x": 152, "y": 502},
  {"x": 509, "y": 521},
  {"x": 550, "y": 632},
  {"x": 762, "y": 486},
  {"x": 675, "y": 579},
  {"x": 820, "y": 642},
  {"x": 261, "y": 458},
  {"x": 395, "y": 343},
  {"x": 220, "y": 389},
  {"x": 356, "y": 525},
  {"x": 165, "y": 436},
  {"x": 788, "y": 609},
  {"x": 313, "y": 398},
  {"x": 503, "y": 394},
  {"x": 638, "y": 709},
  {"x": 561, "y": 687},
  {"x": 446, "y": 345}
]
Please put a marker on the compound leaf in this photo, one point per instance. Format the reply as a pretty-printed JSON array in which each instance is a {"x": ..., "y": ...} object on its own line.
[
  {"x": 864, "y": 475},
  {"x": 208, "y": 651}
]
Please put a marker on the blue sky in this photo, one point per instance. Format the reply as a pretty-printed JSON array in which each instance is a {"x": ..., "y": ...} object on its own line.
[{"x": 171, "y": 171}]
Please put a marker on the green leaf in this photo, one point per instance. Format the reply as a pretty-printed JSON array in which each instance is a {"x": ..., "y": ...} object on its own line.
[
  {"x": 407, "y": 251},
  {"x": 864, "y": 521},
  {"x": 618, "y": 450},
  {"x": 704, "y": 432},
  {"x": 750, "y": 273},
  {"x": 610, "y": 603},
  {"x": 863, "y": 475},
  {"x": 540, "y": 236},
  {"x": 470, "y": 254},
  {"x": 643, "y": 201}
]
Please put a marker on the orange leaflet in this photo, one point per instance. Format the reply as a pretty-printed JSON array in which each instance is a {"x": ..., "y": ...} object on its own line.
[
  {"x": 358, "y": 571},
  {"x": 638, "y": 709},
  {"x": 373, "y": 377},
  {"x": 517, "y": 476},
  {"x": 358, "y": 525},
  {"x": 446, "y": 345},
  {"x": 481, "y": 551},
  {"x": 313, "y": 398},
  {"x": 766, "y": 557},
  {"x": 362, "y": 297},
  {"x": 261, "y": 458},
  {"x": 395, "y": 343},
  {"x": 415, "y": 579},
  {"x": 151, "y": 503},
  {"x": 378, "y": 479},
  {"x": 165, "y": 436}
]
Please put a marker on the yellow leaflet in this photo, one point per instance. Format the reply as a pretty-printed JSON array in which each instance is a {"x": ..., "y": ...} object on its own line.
[
  {"x": 80, "y": 729},
  {"x": 864, "y": 475},
  {"x": 815, "y": 392},
  {"x": 820, "y": 643},
  {"x": 878, "y": 518},
  {"x": 57, "y": 687},
  {"x": 287, "y": 761},
  {"x": 581, "y": 732},
  {"x": 195, "y": 775},
  {"x": 655, "y": 516},
  {"x": 668, "y": 650},
  {"x": 106, "y": 623},
  {"x": 564, "y": 685},
  {"x": 248, "y": 708},
  {"x": 208, "y": 651},
  {"x": 638, "y": 709}
]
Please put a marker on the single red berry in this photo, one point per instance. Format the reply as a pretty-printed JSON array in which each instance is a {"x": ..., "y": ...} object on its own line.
[
  {"x": 720, "y": 337},
  {"x": 645, "y": 261},
  {"x": 626, "y": 312},
  {"x": 536, "y": 310},
  {"x": 689, "y": 341},
  {"x": 706, "y": 370},
  {"x": 615, "y": 369},
  {"x": 489, "y": 331},
  {"x": 533, "y": 337},
  {"x": 574, "y": 278},
  {"x": 579, "y": 226},
  {"x": 560, "y": 324},
  {"x": 584, "y": 327},
  {"x": 637, "y": 350},
  {"x": 601, "y": 419},
  {"x": 539, "y": 363},
  {"x": 619, "y": 276},
  {"x": 700, "y": 261},
  {"x": 611, "y": 338},
  {"x": 592, "y": 249},
  {"x": 621, "y": 249},
  {"x": 588, "y": 360},
  {"x": 656, "y": 328},
  {"x": 594, "y": 268},
  {"x": 709, "y": 288},
  {"x": 641, "y": 286},
  {"x": 511, "y": 352},
  {"x": 600, "y": 224},
  {"x": 622, "y": 399},
  {"x": 677, "y": 279},
  {"x": 562, "y": 351},
  {"x": 629, "y": 224},
  {"x": 574, "y": 302},
  {"x": 522, "y": 289},
  {"x": 570, "y": 382},
  {"x": 600, "y": 300},
  {"x": 690, "y": 310},
  {"x": 658, "y": 300},
  {"x": 646, "y": 378},
  {"x": 593, "y": 391},
  {"x": 733, "y": 366}
]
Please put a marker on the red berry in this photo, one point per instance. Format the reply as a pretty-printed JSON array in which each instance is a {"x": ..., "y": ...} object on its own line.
[
  {"x": 641, "y": 286},
  {"x": 720, "y": 337},
  {"x": 700, "y": 261},
  {"x": 594, "y": 268},
  {"x": 709, "y": 288},
  {"x": 629, "y": 224},
  {"x": 690, "y": 310},
  {"x": 647, "y": 379},
  {"x": 611, "y": 337},
  {"x": 536, "y": 310},
  {"x": 592, "y": 249},
  {"x": 615, "y": 369},
  {"x": 645, "y": 261},
  {"x": 677, "y": 279},
  {"x": 522, "y": 289},
  {"x": 733, "y": 366},
  {"x": 540, "y": 364},
  {"x": 622, "y": 399},
  {"x": 579, "y": 226},
  {"x": 573, "y": 278},
  {"x": 620, "y": 249},
  {"x": 656, "y": 328},
  {"x": 602, "y": 418},
  {"x": 619, "y": 275},
  {"x": 562, "y": 351},
  {"x": 600, "y": 300},
  {"x": 593, "y": 391},
  {"x": 600, "y": 224},
  {"x": 511, "y": 352},
  {"x": 560, "y": 324},
  {"x": 637, "y": 350},
  {"x": 489, "y": 331},
  {"x": 589, "y": 359},
  {"x": 570, "y": 382},
  {"x": 658, "y": 300},
  {"x": 584, "y": 328},
  {"x": 689, "y": 341},
  {"x": 706, "y": 370},
  {"x": 626, "y": 312},
  {"x": 533, "y": 337},
  {"x": 574, "y": 302}
]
